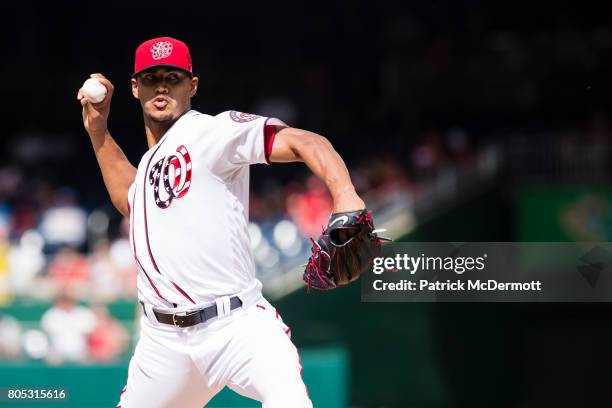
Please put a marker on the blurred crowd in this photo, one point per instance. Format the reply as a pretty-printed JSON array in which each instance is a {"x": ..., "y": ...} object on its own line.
[
  {"x": 50, "y": 244},
  {"x": 67, "y": 332}
]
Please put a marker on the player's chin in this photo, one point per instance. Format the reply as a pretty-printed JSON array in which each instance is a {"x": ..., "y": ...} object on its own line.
[{"x": 162, "y": 116}]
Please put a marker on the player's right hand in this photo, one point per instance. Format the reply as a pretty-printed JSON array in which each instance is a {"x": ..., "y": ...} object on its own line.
[{"x": 95, "y": 115}]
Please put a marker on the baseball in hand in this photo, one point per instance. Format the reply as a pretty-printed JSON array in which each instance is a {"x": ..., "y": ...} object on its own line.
[{"x": 93, "y": 90}]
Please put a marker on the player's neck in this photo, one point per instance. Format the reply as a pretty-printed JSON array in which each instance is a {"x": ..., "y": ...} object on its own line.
[{"x": 155, "y": 131}]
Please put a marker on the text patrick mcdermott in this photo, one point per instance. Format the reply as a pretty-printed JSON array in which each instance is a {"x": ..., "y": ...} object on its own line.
[{"x": 456, "y": 285}]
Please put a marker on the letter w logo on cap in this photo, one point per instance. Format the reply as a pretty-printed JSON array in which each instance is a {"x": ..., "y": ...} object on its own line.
[{"x": 160, "y": 50}]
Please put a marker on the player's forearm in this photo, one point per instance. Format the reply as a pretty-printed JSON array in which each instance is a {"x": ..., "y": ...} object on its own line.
[
  {"x": 323, "y": 160},
  {"x": 117, "y": 172}
]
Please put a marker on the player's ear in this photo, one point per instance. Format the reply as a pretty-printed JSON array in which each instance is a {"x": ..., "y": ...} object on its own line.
[
  {"x": 134, "y": 87},
  {"x": 194, "y": 86}
]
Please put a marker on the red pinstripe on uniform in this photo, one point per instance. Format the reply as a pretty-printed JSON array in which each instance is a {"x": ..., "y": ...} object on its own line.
[
  {"x": 144, "y": 204},
  {"x": 182, "y": 292},
  {"x": 136, "y": 256},
  {"x": 288, "y": 333},
  {"x": 301, "y": 369},
  {"x": 120, "y": 394}
]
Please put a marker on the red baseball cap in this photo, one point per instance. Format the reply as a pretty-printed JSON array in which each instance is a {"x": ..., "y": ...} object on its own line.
[{"x": 164, "y": 52}]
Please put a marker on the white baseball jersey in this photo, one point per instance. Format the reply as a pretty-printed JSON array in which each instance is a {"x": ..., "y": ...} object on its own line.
[{"x": 189, "y": 208}]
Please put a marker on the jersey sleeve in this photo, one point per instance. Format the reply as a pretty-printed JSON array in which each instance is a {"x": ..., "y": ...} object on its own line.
[{"x": 241, "y": 139}]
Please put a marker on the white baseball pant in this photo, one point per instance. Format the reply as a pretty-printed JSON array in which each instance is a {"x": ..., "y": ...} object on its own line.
[{"x": 250, "y": 351}]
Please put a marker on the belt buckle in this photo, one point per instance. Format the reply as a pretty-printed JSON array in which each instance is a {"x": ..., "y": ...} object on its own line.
[{"x": 177, "y": 323}]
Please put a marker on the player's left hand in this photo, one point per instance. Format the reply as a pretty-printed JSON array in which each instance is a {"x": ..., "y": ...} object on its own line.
[{"x": 343, "y": 251}]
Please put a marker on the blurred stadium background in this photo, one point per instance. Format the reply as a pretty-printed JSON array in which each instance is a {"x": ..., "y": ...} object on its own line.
[{"x": 459, "y": 121}]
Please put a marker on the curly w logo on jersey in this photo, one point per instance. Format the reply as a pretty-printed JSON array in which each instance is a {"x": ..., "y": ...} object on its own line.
[{"x": 171, "y": 177}]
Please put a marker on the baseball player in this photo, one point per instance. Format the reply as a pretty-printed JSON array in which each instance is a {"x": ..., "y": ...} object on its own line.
[{"x": 205, "y": 324}]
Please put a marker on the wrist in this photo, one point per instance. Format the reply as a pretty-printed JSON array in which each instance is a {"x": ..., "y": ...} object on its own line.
[
  {"x": 347, "y": 200},
  {"x": 346, "y": 192},
  {"x": 98, "y": 131},
  {"x": 98, "y": 137}
]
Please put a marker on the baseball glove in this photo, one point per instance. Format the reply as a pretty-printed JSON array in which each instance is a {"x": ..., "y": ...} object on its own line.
[{"x": 344, "y": 250}]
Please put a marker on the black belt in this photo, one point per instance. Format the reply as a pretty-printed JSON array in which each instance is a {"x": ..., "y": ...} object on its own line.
[{"x": 187, "y": 319}]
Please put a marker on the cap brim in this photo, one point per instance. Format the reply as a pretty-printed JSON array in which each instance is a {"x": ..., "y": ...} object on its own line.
[{"x": 162, "y": 65}]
